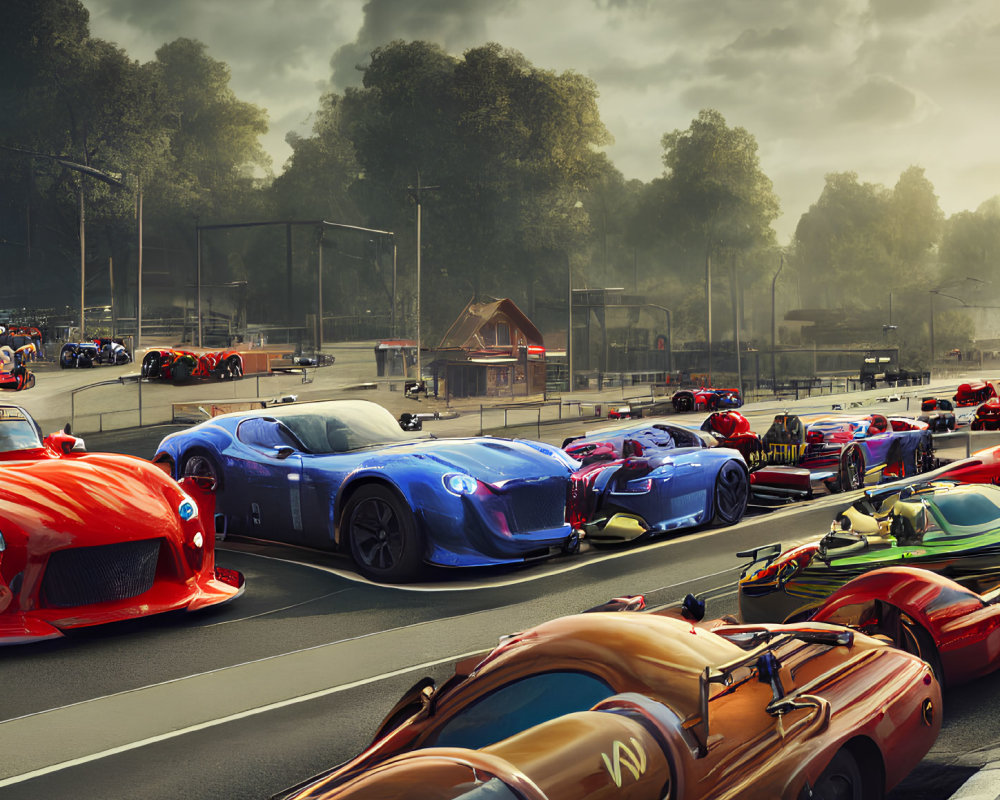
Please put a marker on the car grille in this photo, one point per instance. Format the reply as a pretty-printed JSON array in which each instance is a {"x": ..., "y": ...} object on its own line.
[
  {"x": 537, "y": 506},
  {"x": 80, "y": 576}
]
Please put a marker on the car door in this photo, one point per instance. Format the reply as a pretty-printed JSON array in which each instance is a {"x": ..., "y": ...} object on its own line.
[{"x": 271, "y": 498}]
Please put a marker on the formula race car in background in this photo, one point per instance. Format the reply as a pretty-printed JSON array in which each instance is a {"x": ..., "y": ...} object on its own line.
[
  {"x": 648, "y": 706},
  {"x": 17, "y": 336},
  {"x": 938, "y": 413},
  {"x": 68, "y": 561},
  {"x": 180, "y": 366},
  {"x": 987, "y": 416},
  {"x": 652, "y": 479},
  {"x": 793, "y": 460},
  {"x": 943, "y": 526},
  {"x": 972, "y": 394},
  {"x": 98, "y": 351},
  {"x": 705, "y": 399},
  {"x": 342, "y": 475}
]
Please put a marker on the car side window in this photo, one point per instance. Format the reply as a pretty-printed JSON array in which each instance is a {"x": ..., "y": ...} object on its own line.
[
  {"x": 520, "y": 705},
  {"x": 265, "y": 434}
]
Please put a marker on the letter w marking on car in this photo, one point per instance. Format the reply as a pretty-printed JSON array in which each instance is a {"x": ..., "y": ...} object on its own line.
[{"x": 632, "y": 758}]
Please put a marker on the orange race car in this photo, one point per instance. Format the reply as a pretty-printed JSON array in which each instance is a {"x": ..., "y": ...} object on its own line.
[{"x": 645, "y": 706}]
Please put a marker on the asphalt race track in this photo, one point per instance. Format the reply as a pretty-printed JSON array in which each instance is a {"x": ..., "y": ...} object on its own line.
[{"x": 294, "y": 676}]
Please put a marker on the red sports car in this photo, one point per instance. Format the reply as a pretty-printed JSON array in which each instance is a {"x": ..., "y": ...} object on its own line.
[
  {"x": 982, "y": 466},
  {"x": 649, "y": 706},
  {"x": 91, "y": 538},
  {"x": 953, "y": 628},
  {"x": 179, "y": 366}
]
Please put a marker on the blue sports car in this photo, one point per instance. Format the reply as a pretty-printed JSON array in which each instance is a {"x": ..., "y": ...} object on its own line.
[
  {"x": 645, "y": 479},
  {"x": 342, "y": 474}
]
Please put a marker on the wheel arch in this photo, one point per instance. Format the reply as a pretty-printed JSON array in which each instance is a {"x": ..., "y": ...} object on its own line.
[
  {"x": 349, "y": 489},
  {"x": 871, "y": 762},
  {"x": 201, "y": 449}
]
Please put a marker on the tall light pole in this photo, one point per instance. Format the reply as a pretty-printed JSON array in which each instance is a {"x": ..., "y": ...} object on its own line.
[
  {"x": 417, "y": 192},
  {"x": 708, "y": 303},
  {"x": 83, "y": 169},
  {"x": 138, "y": 299},
  {"x": 938, "y": 291},
  {"x": 774, "y": 280},
  {"x": 569, "y": 324}
]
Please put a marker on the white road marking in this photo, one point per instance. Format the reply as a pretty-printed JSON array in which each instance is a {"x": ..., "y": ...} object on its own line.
[{"x": 27, "y": 776}]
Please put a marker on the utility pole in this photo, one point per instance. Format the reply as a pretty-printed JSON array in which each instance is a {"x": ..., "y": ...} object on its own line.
[{"x": 417, "y": 193}]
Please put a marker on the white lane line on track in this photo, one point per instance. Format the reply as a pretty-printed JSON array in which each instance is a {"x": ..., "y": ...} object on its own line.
[
  {"x": 75, "y": 762},
  {"x": 275, "y": 610},
  {"x": 539, "y": 571}
]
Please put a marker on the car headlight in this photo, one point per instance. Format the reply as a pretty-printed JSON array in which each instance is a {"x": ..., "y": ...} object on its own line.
[
  {"x": 458, "y": 483},
  {"x": 187, "y": 509},
  {"x": 3, "y": 544}
]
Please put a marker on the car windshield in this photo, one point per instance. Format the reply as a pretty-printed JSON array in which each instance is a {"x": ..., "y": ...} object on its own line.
[
  {"x": 17, "y": 431},
  {"x": 337, "y": 427},
  {"x": 964, "y": 513}
]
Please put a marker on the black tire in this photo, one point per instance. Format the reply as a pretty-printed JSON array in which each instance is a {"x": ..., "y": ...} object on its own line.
[
  {"x": 852, "y": 469},
  {"x": 199, "y": 464},
  {"x": 909, "y": 635},
  {"x": 67, "y": 356},
  {"x": 234, "y": 367},
  {"x": 841, "y": 780},
  {"x": 181, "y": 370},
  {"x": 923, "y": 457},
  {"x": 150, "y": 365},
  {"x": 732, "y": 492},
  {"x": 683, "y": 402},
  {"x": 382, "y": 534}
]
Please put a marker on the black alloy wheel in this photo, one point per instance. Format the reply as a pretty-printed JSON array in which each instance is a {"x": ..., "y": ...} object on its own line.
[
  {"x": 382, "y": 534},
  {"x": 732, "y": 492},
  {"x": 852, "y": 468}
]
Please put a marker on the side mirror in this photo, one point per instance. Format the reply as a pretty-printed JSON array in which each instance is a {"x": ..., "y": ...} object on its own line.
[{"x": 283, "y": 451}]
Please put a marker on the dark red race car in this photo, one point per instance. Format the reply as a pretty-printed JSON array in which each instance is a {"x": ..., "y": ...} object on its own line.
[
  {"x": 180, "y": 366},
  {"x": 705, "y": 399},
  {"x": 972, "y": 394}
]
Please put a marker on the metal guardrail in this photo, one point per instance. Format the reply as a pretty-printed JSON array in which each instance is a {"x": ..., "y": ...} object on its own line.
[{"x": 139, "y": 413}]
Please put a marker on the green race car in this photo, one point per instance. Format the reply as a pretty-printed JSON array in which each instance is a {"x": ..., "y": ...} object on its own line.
[{"x": 943, "y": 526}]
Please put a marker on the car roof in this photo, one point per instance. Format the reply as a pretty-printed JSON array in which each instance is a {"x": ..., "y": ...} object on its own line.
[
  {"x": 322, "y": 408},
  {"x": 664, "y": 655}
]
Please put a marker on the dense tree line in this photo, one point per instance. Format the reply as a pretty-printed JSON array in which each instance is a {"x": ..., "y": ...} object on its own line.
[{"x": 516, "y": 197}]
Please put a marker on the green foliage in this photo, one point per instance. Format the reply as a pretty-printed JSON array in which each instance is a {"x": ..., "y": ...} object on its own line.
[
  {"x": 861, "y": 240},
  {"x": 510, "y": 150}
]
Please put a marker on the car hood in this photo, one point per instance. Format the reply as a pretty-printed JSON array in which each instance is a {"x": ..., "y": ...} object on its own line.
[
  {"x": 84, "y": 501},
  {"x": 493, "y": 461}
]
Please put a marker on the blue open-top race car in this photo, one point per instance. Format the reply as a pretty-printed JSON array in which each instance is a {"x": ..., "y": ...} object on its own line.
[{"x": 342, "y": 474}]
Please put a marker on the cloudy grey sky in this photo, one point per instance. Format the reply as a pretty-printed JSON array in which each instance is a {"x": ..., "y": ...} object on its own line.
[{"x": 870, "y": 86}]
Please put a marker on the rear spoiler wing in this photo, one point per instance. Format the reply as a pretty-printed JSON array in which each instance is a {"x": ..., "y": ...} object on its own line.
[{"x": 764, "y": 554}]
